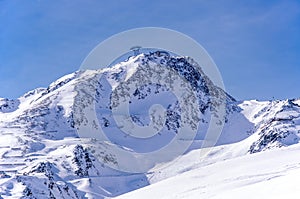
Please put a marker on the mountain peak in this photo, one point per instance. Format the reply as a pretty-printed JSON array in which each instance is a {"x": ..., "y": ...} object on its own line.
[{"x": 68, "y": 137}]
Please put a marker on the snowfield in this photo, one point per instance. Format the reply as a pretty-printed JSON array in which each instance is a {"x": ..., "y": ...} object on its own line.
[
  {"x": 66, "y": 141},
  {"x": 270, "y": 174}
]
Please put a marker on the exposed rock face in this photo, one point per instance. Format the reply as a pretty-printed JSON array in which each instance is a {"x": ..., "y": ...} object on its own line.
[
  {"x": 7, "y": 105},
  {"x": 280, "y": 128}
]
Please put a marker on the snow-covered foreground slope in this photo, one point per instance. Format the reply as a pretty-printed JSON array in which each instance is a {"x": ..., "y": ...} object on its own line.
[
  {"x": 50, "y": 144},
  {"x": 270, "y": 174}
]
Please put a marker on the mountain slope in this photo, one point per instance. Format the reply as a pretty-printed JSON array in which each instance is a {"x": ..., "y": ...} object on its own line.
[{"x": 270, "y": 174}]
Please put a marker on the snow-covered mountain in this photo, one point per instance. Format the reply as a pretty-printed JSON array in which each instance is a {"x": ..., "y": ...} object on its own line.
[{"x": 50, "y": 144}]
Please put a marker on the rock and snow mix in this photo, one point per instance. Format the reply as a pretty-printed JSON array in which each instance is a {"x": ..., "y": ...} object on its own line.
[{"x": 42, "y": 155}]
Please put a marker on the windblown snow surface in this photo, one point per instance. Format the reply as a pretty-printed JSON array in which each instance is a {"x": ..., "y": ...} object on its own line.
[{"x": 43, "y": 156}]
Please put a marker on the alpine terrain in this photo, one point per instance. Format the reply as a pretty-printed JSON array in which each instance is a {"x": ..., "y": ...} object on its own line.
[{"x": 70, "y": 141}]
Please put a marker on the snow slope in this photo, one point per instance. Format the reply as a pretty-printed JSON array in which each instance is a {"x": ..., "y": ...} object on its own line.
[{"x": 270, "y": 174}]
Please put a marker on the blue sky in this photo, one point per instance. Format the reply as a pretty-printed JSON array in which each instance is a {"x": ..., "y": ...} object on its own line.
[{"x": 255, "y": 44}]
